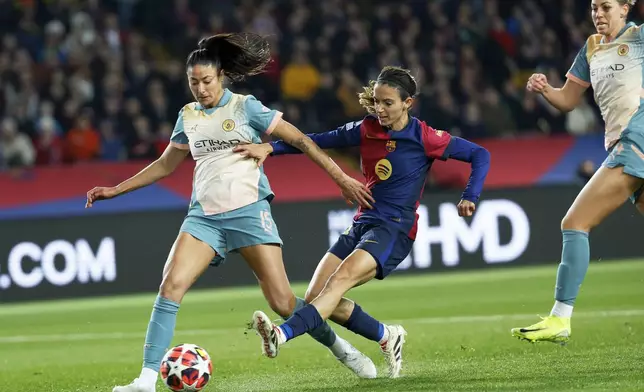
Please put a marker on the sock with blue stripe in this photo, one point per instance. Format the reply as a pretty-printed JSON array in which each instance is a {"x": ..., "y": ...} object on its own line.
[
  {"x": 160, "y": 332},
  {"x": 304, "y": 320},
  {"x": 323, "y": 334}
]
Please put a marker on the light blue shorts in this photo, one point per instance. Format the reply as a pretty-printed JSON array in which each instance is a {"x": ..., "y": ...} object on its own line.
[
  {"x": 229, "y": 231},
  {"x": 629, "y": 154}
]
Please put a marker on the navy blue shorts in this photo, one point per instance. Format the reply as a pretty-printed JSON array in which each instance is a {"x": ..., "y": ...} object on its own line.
[{"x": 388, "y": 245}]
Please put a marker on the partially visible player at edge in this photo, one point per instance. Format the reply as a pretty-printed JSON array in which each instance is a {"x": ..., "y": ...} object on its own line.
[
  {"x": 397, "y": 151},
  {"x": 229, "y": 209},
  {"x": 612, "y": 62}
]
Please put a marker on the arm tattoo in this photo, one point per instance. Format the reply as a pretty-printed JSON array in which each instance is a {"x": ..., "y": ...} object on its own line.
[
  {"x": 315, "y": 153},
  {"x": 303, "y": 144}
]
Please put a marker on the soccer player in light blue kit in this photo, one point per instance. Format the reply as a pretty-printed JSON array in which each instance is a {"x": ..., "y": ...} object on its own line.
[
  {"x": 612, "y": 62},
  {"x": 229, "y": 209}
]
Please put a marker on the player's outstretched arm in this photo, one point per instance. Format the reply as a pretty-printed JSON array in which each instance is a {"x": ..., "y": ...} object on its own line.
[
  {"x": 479, "y": 158},
  {"x": 160, "y": 168},
  {"x": 352, "y": 189},
  {"x": 565, "y": 99},
  {"x": 347, "y": 135}
]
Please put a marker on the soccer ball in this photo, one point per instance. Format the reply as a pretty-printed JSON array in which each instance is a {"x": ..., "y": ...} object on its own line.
[{"x": 186, "y": 368}]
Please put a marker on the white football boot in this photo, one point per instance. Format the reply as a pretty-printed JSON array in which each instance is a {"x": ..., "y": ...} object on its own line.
[
  {"x": 135, "y": 386},
  {"x": 271, "y": 335},
  {"x": 359, "y": 363},
  {"x": 392, "y": 349}
]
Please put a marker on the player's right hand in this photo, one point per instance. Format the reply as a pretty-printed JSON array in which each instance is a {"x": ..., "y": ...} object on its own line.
[
  {"x": 537, "y": 83},
  {"x": 353, "y": 189},
  {"x": 100, "y": 193}
]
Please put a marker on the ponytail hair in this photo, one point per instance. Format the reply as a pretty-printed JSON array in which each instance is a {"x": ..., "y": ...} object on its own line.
[{"x": 237, "y": 55}]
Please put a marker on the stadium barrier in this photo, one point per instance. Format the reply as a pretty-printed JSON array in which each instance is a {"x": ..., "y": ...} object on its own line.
[{"x": 125, "y": 253}]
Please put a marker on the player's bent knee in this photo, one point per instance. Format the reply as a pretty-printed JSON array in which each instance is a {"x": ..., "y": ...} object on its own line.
[
  {"x": 572, "y": 222},
  {"x": 174, "y": 289}
]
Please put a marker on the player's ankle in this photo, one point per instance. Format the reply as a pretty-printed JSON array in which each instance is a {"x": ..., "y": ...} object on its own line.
[
  {"x": 148, "y": 376},
  {"x": 385, "y": 335},
  {"x": 561, "y": 309},
  {"x": 340, "y": 347}
]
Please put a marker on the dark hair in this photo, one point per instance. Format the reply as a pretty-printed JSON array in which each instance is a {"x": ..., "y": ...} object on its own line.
[
  {"x": 629, "y": 3},
  {"x": 237, "y": 55},
  {"x": 399, "y": 78}
]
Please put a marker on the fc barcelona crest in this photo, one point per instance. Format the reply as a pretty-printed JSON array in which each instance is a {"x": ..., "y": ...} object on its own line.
[
  {"x": 228, "y": 125},
  {"x": 390, "y": 146},
  {"x": 623, "y": 50}
]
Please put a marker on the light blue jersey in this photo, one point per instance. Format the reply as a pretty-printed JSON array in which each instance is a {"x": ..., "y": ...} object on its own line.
[
  {"x": 223, "y": 180},
  {"x": 229, "y": 207},
  {"x": 615, "y": 70}
]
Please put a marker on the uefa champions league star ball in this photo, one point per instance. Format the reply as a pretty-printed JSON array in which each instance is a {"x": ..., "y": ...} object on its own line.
[{"x": 186, "y": 368}]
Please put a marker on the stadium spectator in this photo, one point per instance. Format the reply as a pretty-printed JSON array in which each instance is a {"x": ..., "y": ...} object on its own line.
[
  {"x": 83, "y": 142},
  {"x": 16, "y": 148},
  {"x": 586, "y": 170},
  {"x": 300, "y": 79},
  {"x": 112, "y": 147},
  {"x": 582, "y": 119},
  {"x": 49, "y": 145},
  {"x": 123, "y": 60}
]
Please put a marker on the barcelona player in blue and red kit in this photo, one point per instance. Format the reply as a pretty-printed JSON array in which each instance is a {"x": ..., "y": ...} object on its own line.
[{"x": 397, "y": 151}]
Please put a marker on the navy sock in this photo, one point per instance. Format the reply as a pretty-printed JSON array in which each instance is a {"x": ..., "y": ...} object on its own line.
[
  {"x": 364, "y": 325},
  {"x": 324, "y": 334},
  {"x": 304, "y": 320}
]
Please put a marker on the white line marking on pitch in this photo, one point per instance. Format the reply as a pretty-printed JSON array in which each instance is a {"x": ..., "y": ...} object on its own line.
[{"x": 72, "y": 337}]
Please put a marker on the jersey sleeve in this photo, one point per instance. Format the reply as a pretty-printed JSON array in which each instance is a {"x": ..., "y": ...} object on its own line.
[
  {"x": 261, "y": 118},
  {"x": 479, "y": 158},
  {"x": 179, "y": 138},
  {"x": 435, "y": 142},
  {"x": 580, "y": 70},
  {"x": 347, "y": 135}
]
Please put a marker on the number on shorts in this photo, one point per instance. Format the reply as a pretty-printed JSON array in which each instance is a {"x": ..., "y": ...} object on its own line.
[{"x": 267, "y": 222}]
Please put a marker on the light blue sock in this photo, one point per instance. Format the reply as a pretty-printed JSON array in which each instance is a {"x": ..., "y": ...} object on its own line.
[
  {"x": 160, "y": 332},
  {"x": 575, "y": 257},
  {"x": 323, "y": 334}
]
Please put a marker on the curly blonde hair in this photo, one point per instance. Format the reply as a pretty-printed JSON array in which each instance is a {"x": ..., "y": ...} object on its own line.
[{"x": 366, "y": 98}]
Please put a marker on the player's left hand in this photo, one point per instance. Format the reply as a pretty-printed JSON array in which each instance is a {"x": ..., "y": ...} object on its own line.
[
  {"x": 258, "y": 152},
  {"x": 466, "y": 208}
]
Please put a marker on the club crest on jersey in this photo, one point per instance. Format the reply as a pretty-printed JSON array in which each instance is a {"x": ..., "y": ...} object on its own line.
[
  {"x": 390, "y": 146},
  {"x": 439, "y": 133},
  {"x": 228, "y": 125},
  {"x": 383, "y": 169},
  {"x": 623, "y": 50}
]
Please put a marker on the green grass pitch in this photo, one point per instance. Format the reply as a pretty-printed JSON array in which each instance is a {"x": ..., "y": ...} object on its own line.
[{"x": 458, "y": 324}]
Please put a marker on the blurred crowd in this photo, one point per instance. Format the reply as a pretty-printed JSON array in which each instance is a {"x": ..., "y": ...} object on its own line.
[{"x": 104, "y": 79}]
